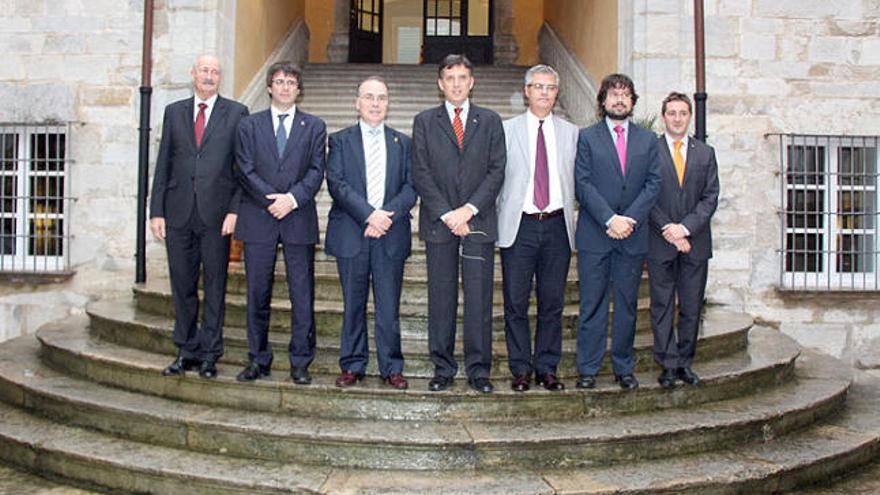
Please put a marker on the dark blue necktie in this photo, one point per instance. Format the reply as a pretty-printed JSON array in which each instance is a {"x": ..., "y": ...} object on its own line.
[{"x": 281, "y": 134}]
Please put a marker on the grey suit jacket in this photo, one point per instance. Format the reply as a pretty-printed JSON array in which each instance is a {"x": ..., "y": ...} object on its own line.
[
  {"x": 691, "y": 204},
  {"x": 518, "y": 171}
]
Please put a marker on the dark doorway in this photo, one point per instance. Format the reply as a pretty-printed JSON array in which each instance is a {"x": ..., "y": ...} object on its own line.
[
  {"x": 458, "y": 26},
  {"x": 365, "y": 31}
]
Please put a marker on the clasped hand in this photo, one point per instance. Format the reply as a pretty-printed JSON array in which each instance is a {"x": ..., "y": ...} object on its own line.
[
  {"x": 457, "y": 221},
  {"x": 281, "y": 205},
  {"x": 378, "y": 223},
  {"x": 620, "y": 227}
]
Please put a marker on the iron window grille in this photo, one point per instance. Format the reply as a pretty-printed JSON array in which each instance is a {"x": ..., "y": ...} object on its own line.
[
  {"x": 829, "y": 196},
  {"x": 35, "y": 198}
]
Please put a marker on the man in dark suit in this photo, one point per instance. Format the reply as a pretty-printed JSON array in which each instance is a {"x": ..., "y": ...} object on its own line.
[
  {"x": 536, "y": 229},
  {"x": 368, "y": 231},
  {"x": 681, "y": 241},
  {"x": 458, "y": 169},
  {"x": 193, "y": 209},
  {"x": 617, "y": 179},
  {"x": 280, "y": 156}
]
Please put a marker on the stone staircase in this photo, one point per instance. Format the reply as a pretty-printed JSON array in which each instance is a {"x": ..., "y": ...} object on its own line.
[{"x": 85, "y": 402}]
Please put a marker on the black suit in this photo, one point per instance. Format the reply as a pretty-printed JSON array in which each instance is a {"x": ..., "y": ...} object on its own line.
[
  {"x": 194, "y": 187},
  {"x": 448, "y": 177},
  {"x": 692, "y": 205}
]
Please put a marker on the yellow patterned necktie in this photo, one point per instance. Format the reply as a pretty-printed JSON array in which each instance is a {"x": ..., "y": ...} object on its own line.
[{"x": 678, "y": 159}]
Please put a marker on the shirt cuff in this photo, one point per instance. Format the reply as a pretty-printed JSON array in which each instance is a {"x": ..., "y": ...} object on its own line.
[
  {"x": 608, "y": 222},
  {"x": 473, "y": 208},
  {"x": 687, "y": 233},
  {"x": 295, "y": 205}
]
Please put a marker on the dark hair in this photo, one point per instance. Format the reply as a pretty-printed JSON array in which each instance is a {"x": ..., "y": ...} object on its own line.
[
  {"x": 451, "y": 61},
  {"x": 614, "y": 81},
  {"x": 369, "y": 78},
  {"x": 676, "y": 96},
  {"x": 288, "y": 68}
]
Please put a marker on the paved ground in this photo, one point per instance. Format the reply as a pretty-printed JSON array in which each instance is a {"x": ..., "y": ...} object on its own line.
[
  {"x": 863, "y": 482},
  {"x": 20, "y": 483}
]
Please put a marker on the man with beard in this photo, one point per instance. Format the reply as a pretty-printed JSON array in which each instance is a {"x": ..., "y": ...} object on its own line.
[{"x": 617, "y": 179}]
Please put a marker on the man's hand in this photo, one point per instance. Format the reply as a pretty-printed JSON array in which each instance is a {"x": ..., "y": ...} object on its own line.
[
  {"x": 673, "y": 232},
  {"x": 228, "y": 226},
  {"x": 462, "y": 230},
  {"x": 683, "y": 245},
  {"x": 281, "y": 205},
  {"x": 620, "y": 227},
  {"x": 157, "y": 225},
  {"x": 373, "y": 232},
  {"x": 457, "y": 220},
  {"x": 379, "y": 221}
]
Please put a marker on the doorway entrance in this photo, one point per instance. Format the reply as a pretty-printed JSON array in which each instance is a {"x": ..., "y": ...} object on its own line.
[
  {"x": 365, "y": 31},
  {"x": 458, "y": 26}
]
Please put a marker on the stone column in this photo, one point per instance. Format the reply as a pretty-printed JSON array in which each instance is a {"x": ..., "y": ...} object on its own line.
[
  {"x": 506, "y": 50},
  {"x": 337, "y": 48}
]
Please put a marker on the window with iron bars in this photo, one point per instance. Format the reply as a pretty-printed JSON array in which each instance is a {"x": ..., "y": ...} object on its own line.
[
  {"x": 829, "y": 195},
  {"x": 34, "y": 198}
]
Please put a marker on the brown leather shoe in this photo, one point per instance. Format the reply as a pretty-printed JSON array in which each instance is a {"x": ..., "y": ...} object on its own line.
[
  {"x": 549, "y": 382},
  {"x": 348, "y": 378},
  {"x": 396, "y": 380},
  {"x": 520, "y": 383}
]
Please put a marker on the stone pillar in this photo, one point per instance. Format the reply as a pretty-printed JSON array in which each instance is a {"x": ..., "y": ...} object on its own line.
[
  {"x": 337, "y": 48},
  {"x": 505, "y": 43}
]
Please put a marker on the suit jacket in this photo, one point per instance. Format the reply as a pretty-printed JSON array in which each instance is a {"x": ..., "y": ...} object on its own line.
[
  {"x": 603, "y": 191},
  {"x": 186, "y": 174},
  {"x": 520, "y": 169},
  {"x": 691, "y": 204},
  {"x": 447, "y": 177},
  {"x": 299, "y": 171},
  {"x": 347, "y": 182}
]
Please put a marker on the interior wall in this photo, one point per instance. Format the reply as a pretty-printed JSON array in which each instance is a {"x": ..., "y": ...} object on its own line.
[
  {"x": 397, "y": 14},
  {"x": 259, "y": 27},
  {"x": 528, "y": 17},
  {"x": 589, "y": 29},
  {"x": 319, "y": 19}
]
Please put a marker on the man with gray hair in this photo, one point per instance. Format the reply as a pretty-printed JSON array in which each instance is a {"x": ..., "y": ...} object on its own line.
[
  {"x": 536, "y": 229},
  {"x": 193, "y": 208}
]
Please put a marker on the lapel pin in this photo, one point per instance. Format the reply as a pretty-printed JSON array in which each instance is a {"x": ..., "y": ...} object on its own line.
[
  {"x": 302, "y": 123},
  {"x": 396, "y": 139}
]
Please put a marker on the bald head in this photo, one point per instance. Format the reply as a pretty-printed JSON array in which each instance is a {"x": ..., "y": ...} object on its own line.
[{"x": 206, "y": 76}]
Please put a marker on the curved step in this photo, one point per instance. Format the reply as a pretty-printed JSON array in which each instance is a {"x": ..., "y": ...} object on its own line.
[
  {"x": 397, "y": 444},
  {"x": 768, "y": 362},
  {"x": 118, "y": 321}
]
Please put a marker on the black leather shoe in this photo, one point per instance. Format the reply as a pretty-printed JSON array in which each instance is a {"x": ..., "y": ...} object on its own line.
[
  {"x": 253, "y": 371},
  {"x": 439, "y": 383},
  {"x": 482, "y": 385},
  {"x": 688, "y": 376},
  {"x": 208, "y": 369},
  {"x": 667, "y": 378},
  {"x": 627, "y": 382},
  {"x": 586, "y": 382},
  {"x": 520, "y": 383},
  {"x": 181, "y": 365},
  {"x": 300, "y": 376},
  {"x": 549, "y": 382}
]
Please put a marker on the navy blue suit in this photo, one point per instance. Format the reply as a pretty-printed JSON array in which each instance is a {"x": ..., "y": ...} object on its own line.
[
  {"x": 298, "y": 171},
  {"x": 603, "y": 191},
  {"x": 360, "y": 258}
]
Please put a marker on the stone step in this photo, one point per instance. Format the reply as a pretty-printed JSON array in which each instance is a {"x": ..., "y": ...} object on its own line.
[
  {"x": 118, "y": 321},
  {"x": 768, "y": 361},
  {"x": 771, "y": 465},
  {"x": 315, "y": 439},
  {"x": 155, "y": 297}
]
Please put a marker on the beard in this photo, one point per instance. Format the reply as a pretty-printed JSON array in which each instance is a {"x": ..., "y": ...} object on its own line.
[{"x": 613, "y": 115}]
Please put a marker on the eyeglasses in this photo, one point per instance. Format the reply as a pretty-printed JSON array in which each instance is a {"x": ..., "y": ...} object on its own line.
[
  {"x": 619, "y": 95},
  {"x": 372, "y": 97},
  {"x": 542, "y": 87},
  {"x": 291, "y": 83}
]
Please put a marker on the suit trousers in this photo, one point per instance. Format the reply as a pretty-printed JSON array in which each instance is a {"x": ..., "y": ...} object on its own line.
[
  {"x": 599, "y": 275},
  {"x": 477, "y": 260},
  {"x": 541, "y": 253},
  {"x": 371, "y": 264},
  {"x": 259, "y": 264},
  {"x": 684, "y": 277},
  {"x": 192, "y": 248}
]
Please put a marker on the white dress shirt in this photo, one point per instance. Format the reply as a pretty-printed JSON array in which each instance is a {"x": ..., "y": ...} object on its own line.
[
  {"x": 288, "y": 124},
  {"x": 549, "y": 130},
  {"x": 366, "y": 138},
  {"x": 210, "y": 102}
]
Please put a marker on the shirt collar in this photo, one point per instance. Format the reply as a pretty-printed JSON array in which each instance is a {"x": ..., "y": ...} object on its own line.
[
  {"x": 611, "y": 125},
  {"x": 365, "y": 127},
  {"x": 670, "y": 141},
  {"x": 535, "y": 120},
  {"x": 465, "y": 107},
  {"x": 210, "y": 101},
  {"x": 275, "y": 112}
]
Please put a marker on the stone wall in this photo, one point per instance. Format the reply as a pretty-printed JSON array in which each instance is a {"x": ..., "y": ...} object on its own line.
[{"x": 773, "y": 66}]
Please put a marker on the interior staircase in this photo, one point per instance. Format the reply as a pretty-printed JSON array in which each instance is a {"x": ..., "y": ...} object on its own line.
[{"x": 85, "y": 402}]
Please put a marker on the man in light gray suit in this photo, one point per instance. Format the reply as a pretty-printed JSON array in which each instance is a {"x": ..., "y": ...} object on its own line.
[{"x": 536, "y": 226}]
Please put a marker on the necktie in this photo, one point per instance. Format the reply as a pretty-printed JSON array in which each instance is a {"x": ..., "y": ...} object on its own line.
[
  {"x": 621, "y": 147},
  {"x": 281, "y": 134},
  {"x": 375, "y": 170},
  {"x": 200, "y": 124},
  {"x": 678, "y": 160},
  {"x": 458, "y": 127},
  {"x": 542, "y": 175}
]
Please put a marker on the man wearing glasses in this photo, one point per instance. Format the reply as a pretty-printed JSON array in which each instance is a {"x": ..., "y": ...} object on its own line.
[
  {"x": 368, "y": 231},
  {"x": 280, "y": 154},
  {"x": 617, "y": 180},
  {"x": 536, "y": 229}
]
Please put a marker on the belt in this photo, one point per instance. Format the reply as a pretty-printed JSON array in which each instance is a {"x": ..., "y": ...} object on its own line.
[{"x": 544, "y": 215}]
